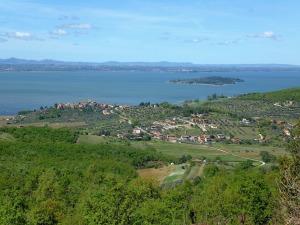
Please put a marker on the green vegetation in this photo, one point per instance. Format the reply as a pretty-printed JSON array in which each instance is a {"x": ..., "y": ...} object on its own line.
[
  {"x": 214, "y": 80},
  {"x": 290, "y": 180},
  {"x": 292, "y": 94},
  {"x": 260, "y": 105},
  {"x": 48, "y": 178},
  {"x": 90, "y": 175}
]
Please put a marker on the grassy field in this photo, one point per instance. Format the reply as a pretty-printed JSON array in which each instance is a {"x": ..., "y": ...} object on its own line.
[
  {"x": 156, "y": 174},
  {"x": 251, "y": 151},
  {"x": 177, "y": 175},
  {"x": 196, "y": 171},
  {"x": 195, "y": 150},
  {"x": 233, "y": 152},
  {"x": 6, "y": 137},
  {"x": 91, "y": 139},
  {"x": 172, "y": 174}
]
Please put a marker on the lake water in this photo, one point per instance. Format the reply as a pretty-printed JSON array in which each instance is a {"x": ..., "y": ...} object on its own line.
[{"x": 29, "y": 90}]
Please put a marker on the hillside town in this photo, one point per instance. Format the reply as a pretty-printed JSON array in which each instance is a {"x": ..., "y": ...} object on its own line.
[{"x": 175, "y": 129}]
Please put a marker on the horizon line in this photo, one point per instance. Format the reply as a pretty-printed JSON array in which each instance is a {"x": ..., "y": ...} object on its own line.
[{"x": 146, "y": 62}]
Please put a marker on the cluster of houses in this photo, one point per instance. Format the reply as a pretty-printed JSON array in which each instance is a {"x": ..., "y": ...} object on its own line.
[
  {"x": 106, "y": 109},
  {"x": 201, "y": 121},
  {"x": 284, "y": 104},
  {"x": 202, "y": 139},
  {"x": 159, "y": 130},
  {"x": 285, "y": 126}
]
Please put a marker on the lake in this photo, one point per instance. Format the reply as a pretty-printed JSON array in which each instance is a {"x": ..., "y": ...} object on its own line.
[{"x": 29, "y": 90}]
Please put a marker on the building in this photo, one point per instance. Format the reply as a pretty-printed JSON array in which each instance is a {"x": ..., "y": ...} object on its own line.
[
  {"x": 106, "y": 112},
  {"x": 287, "y": 132},
  {"x": 245, "y": 121},
  {"x": 172, "y": 138},
  {"x": 221, "y": 137},
  {"x": 137, "y": 131}
]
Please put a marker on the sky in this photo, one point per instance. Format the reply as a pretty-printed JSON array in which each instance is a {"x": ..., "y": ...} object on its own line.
[{"x": 198, "y": 31}]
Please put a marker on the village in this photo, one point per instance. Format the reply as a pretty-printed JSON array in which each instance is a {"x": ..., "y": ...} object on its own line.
[
  {"x": 159, "y": 130},
  {"x": 106, "y": 109},
  {"x": 196, "y": 128}
]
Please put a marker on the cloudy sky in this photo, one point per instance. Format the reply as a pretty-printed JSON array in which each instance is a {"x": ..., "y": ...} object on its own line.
[{"x": 199, "y": 31}]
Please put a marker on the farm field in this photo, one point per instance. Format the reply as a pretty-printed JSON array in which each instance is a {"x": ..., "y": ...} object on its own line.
[
  {"x": 91, "y": 139},
  {"x": 156, "y": 174},
  {"x": 196, "y": 171},
  {"x": 197, "y": 151},
  {"x": 251, "y": 151},
  {"x": 177, "y": 175},
  {"x": 170, "y": 175}
]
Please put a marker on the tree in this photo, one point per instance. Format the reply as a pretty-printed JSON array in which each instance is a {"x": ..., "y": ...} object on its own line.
[
  {"x": 246, "y": 164},
  {"x": 239, "y": 198},
  {"x": 185, "y": 158},
  {"x": 289, "y": 185},
  {"x": 267, "y": 157}
]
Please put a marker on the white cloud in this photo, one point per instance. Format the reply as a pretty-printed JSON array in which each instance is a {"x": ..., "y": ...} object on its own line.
[
  {"x": 200, "y": 39},
  {"x": 66, "y": 17},
  {"x": 77, "y": 26},
  {"x": 59, "y": 32},
  {"x": 266, "y": 35},
  {"x": 231, "y": 42},
  {"x": 20, "y": 35},
  {"x": 269, "y": 34}
]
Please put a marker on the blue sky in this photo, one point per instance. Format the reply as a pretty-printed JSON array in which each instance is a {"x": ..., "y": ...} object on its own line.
[{"x": 202, "y": 31}]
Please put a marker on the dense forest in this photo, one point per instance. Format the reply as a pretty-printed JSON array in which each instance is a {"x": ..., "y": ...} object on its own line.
[{"x": 47, "y": 179}]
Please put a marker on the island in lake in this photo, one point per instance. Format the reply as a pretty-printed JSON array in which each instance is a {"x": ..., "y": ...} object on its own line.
[{"x": 213, "y": 80}]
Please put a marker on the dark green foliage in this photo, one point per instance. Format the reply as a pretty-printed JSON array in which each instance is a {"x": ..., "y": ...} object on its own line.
[
  {"x": 246, "y": 165},
  {"x": 46, "y": 179},
  {"x": 240, "y": 198},
  {"x": 267, "y": 157},
  {"x": 214, "y": 97},
  {"x": 185, "y": 158},
  {"x": 25, "y": 112},
  {"x": 42, "y": 134},
  {"x": 211, "y": 170}
]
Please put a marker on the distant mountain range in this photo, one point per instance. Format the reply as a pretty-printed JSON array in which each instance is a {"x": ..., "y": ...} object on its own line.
[
  {"x": 16, "y": 64},
  {"x": 16, "y": 61}
]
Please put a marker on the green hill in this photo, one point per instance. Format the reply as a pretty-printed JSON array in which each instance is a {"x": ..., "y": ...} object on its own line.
[{"x": 292, "y": 94}]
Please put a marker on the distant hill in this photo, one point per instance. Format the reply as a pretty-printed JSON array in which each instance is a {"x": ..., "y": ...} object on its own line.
[
  {"x": 17, "y": 61},
  {"x": 17, "y": 64},
  {"x": 116, "y": 63}
]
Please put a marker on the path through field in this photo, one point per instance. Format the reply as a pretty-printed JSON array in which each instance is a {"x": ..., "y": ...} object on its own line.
[{"x": 262, "y": 163}]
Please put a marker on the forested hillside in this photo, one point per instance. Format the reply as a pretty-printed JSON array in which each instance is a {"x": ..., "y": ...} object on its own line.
[{"x": 47, "y": 179}]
